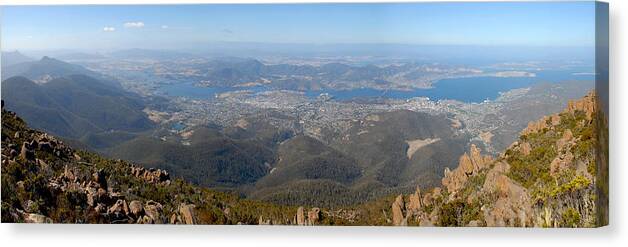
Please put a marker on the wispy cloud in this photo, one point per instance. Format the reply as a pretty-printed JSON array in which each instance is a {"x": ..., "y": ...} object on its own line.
[
  {"x": 137, "y": 24},
  {"x": 109, "y": 29},
  {"x": 164, "y": 27}
]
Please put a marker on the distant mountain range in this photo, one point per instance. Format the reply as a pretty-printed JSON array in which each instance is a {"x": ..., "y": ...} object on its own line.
[
  {"x": 47, "y": 69},
  {"x": 14, "y": 57},
  {"x": 229, "y": 72}
]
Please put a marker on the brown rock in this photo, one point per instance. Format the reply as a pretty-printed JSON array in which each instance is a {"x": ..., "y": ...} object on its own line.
[
  {"x": 92, "y": 196},
  {"x": 397, "y": 212},
  {"x": 67, "y": 173},
  {"x": 37, "y": 218},
  {"x": 414, "y": 204},
  {"x": 262, "y": 221},
  {"x": 513, "y": 206},
  {"x": 562, "y": 162},
  {"x": 153, "y": 211},
  {"x": 136, "y": 208},
  {"x": 566, "y": 139},
  {"x": 300, "y": 216},
  {"x": 174, "y": 219},
  {"x": 468, "y": 165},
  {"x": 313, "y": 215},
  {"x": 587, "y": 104},
  {"x": 525, "y": 148},
  {"x": 187, "y": 213}
]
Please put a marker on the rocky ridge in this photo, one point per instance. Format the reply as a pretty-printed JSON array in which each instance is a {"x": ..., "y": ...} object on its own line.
[{"x": 546, "y": 179}]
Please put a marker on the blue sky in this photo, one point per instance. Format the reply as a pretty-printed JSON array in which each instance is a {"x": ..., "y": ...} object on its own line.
[{"x": 182, "y": 26}]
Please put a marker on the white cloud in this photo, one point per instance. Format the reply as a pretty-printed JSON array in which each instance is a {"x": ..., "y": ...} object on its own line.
[
  {"x": 109, "y": 29},
  {"x": 138, "y": 24},
  {"x": 164, "y": 27}
]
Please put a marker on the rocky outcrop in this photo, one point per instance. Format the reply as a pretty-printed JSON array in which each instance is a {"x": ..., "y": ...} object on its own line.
[
  {"x": 588, "y": 104},
  {"x": 27, "y": 151},
  {"x": 151, "y": 175},
  {"x": 186, "y": 212},
  {"x": 309, "y": 218},
  {"x": 109, "y": 204},
  {"x": 153, "y": 213},
  {"x": 300, "y": 217},
  {"x": 313, "y": 216},
  {"x": 37, "y": 218},
  {"x": 411, "y": 210},
  {"x": 398, "y": 207},
  {"x": 414, "y": 205},
  {"x": 136, "y": 208},
  {"x": 469, "y": 165},
  {"x": 513, "y": 204}
]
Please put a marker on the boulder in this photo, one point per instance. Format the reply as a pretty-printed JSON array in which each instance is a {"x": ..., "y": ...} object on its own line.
[
  {"x": 397, "y": 212},
  {"x": 153, "y": 211},
  {"x": 414, "y": 204},
  {"x": 136, "y": 208},
  {"x": 300, "y": 217},
  {"x": 561, "y": 162},
  {"x": 26, "y": 152},
  {"x": 313, "y": 215},
  {"x": 513, "y": 206},
  {"x": 187, "y": 213},
  {"x": 37, "y": 218}
]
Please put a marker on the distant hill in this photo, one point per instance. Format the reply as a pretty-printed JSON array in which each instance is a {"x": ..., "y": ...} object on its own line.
[
  {"x": 383, "y": 153},
  {"x": 227, "y": 72},
  {"x": 47, "y": 69},
  {"x": 378, "y": 155},
  {"x": 217, "y": 161},
  {"x": 14, "y": 57},
  {"x": 138, "y": 53},
  {"x": 75, "y": 105},
  {"x": 79, "y": 56}
]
